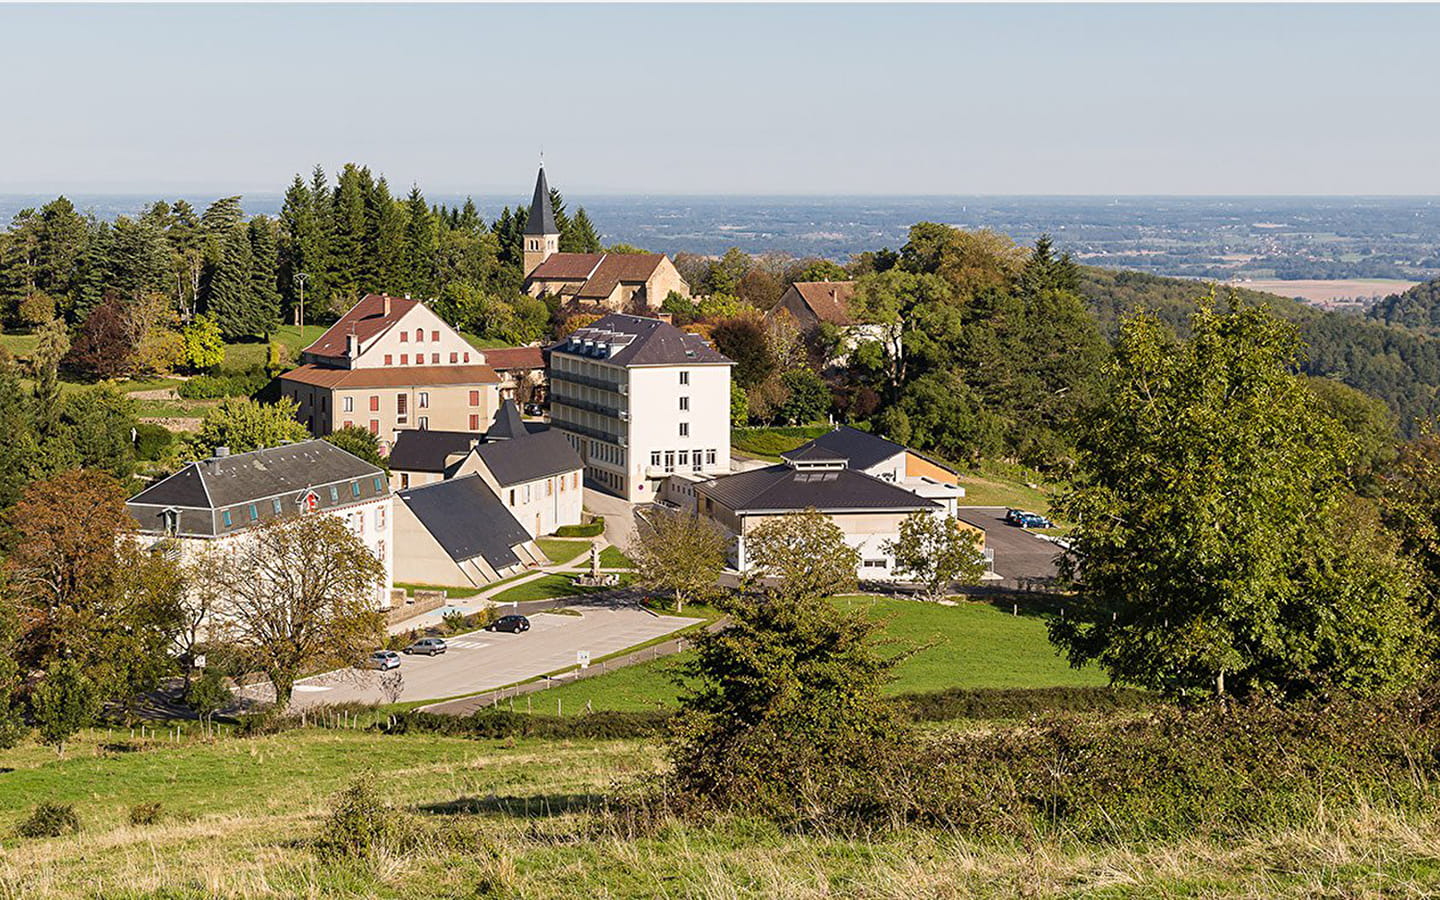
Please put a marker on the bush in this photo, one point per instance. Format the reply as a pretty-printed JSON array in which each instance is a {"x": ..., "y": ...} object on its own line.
[
  {"x": 495, "y": 724},
  {"x": 218, "y": 387},
  {"x": 361, "y": 823},
  {"x": 151, "y": 441},
  {"x": 50, "y": 820},
  {"x": 1021, "y": 703},
  {"x": 145, "y": 814},
  {"x": 454, "y": 621},
  {"x": 593, "y": 528}
]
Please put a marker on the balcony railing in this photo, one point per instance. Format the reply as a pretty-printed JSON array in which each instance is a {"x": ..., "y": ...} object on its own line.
[
  {"x": 597, "y": 433},
  {"x": 614, "y": 387},
  {"x": 603, "y": 409}
]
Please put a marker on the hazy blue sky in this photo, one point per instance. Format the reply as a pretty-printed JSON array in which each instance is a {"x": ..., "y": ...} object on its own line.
[{"x": 711, "y": 99}]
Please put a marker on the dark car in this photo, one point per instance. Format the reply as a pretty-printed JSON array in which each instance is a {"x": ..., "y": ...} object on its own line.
[
  {"x": 427, "y": 646},
  {"x": 1012, "y": 516},
  {"x": 1033, "y": 520},
  {"x": 534, "y": 409},
  {"x": 512, "y": 623}
]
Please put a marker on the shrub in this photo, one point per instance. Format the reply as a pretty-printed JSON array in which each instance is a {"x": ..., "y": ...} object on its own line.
[
  {"x": 1021, "y": 703},
  {"x": 593, "y": 528},
  {"x": 151, "y": 441},
  {"x": 217, "y": 387},
  {"x": 50, "y": 820},
  {"x": 362, "y": 823},
  {"x": 454, "y": 621},
  {"x": 145, "y": 814}
]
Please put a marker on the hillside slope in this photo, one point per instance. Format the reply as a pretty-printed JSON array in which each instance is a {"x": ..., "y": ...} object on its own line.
[{"x": 1418, "y": 307}]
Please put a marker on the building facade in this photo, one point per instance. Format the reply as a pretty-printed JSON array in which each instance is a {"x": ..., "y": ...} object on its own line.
[{"x": 639, "y": 399}]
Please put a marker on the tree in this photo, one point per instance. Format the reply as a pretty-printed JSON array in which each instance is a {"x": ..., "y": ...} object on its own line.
[
  {"x": 105, "y": 348},
  {"x": 52, "y": 342},
  {"x": 359, "y": 442},
  {"x": 784, "y": 714},
  {"x": 242, "y": 425},
  {"x": 582, "y": 236},
  {"x": 743, "y": 339},
  {"x": 264, "y": 312},
  {"x": 801, "y": 555},
  {"x": 232, "y": 290},
  {"x": 937, "y": 553},
  {"x": 680, "y": 553},
  {"x": 739, "y": 406},
  {"x": 204, "y": 344},
  {"x": 808, "y": 397},
  {"x": 299, "y": 592},
  {"x": 12, "y": 724},
  {"x": 63, "y": 703},
  {"x": 1216, "y": 546},
  {"x": 208, "y": 694}
]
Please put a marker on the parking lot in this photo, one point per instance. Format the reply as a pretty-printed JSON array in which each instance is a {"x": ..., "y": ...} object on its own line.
[
  {"x": 484, "y": 660},
  {"x": 1019, "y": 555}
]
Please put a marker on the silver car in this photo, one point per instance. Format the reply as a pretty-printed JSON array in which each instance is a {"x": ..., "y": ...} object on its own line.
[
  {"x": 427, "y": 646},
  {"x": 384, "y": 660}
]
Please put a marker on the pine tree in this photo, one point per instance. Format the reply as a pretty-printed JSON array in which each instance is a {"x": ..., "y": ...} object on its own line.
[
  {"x": 95, "y": 266},
  {"x": 347, "y": 260},
  {"x": 420, "y": 245},
  {"x": 231, "y": 288},
  {"x": 187, "y": 256},
  {"x": 469, "y": 219},
  {"x": 385, "y": 239},
  {"x": 264, "y": 311},
  {"x": 583, "y": 234}
]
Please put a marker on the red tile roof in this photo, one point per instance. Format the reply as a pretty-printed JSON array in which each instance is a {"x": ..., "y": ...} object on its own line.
[
  {"x": 616, "y": 269},
  {"x": 365, "y": 320},
  {"x": 567, "y": 267},
  {"x": 394, "y": 376},
  {"x": 828, "y": 300},
  {"x": 514, "y": 358}
]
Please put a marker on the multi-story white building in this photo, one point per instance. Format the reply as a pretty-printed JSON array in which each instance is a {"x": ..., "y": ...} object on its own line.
[
  {"x": 641, "y": 400},
  {"x": 218, "y": 500}
]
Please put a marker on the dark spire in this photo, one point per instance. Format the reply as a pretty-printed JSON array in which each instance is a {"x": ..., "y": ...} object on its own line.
[
  {"x": 542, "y": 215},
  {"x": 507, "y": 424}
]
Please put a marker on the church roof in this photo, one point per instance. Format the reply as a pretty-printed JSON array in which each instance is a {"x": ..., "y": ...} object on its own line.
[{"x": 541, "y": 219}]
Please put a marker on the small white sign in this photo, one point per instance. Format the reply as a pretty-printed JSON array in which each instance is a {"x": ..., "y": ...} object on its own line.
[
  {"x": 199, "y": 660},
  {"x": 582, "y": 657}
]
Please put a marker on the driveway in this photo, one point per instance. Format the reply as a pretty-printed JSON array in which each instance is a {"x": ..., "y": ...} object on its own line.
[
  {"x": 619, "y": 518},
  {"x": 483, "y": 660},
  {"x": 1019, "y": 555}
]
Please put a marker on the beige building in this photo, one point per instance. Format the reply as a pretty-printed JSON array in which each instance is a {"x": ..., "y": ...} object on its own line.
[
  {"x": 813, "y": 304},
  {"x": 457, "y": 533},
  {"x": 617, "y": 282},
  {"x": 389, "y": 365}
]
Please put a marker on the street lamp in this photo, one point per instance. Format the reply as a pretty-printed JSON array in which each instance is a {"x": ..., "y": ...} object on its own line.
[{"x": 300, "y": 279}]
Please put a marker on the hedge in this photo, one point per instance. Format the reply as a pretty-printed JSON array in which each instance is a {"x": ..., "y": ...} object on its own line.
[
  {"x": 217, "y": 387},
  {"x": 592, "y": 528}
]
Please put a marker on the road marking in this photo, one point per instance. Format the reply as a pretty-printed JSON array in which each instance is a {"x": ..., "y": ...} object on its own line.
[{"x": 467, "y": 645}]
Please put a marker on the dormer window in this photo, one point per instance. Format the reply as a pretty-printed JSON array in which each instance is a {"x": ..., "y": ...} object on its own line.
[{"x": 170, "y": 520}]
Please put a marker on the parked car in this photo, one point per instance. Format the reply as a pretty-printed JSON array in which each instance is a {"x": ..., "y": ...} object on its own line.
[
  {"x": 511, "y": 623},
  {"x": 1012, "y": 516},
  {"x": 384, "y": 660},
  {"x": 534, "y": 409},
  {"x": 1033, "y": 520},
  {"x": 427, "y": 646}
]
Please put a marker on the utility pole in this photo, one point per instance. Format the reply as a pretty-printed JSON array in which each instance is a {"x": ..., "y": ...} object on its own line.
[{"x": 300, "y": 279}]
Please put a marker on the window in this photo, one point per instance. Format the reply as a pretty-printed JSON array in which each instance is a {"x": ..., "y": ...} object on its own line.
[
  {"x": 254, "y": 512},
  {"x": 454, "y": 358},
  {"x": 512, "y": 496},
  {"x": 684, "y": 429},
  {"x": 434, "y": 335},
  {"x": 354, "y": 488},
  {"x": 374, "y": 402},
  {"x": 696, "y": 467},
  {"x": 172, "y": 521},
  {"x": 404, "y": 481},
  {"x": 419, "y": 335},
  {"x": 685, "y": 457},
  {"x": 380, "y": 551},
  {"x": 684, "y": 377},
  {"x": 404, "y": 338},
  {"x": 334, "y": 494},
  {"x": 225, "y": 516},
  {"x": 424, "y": 400},
  {"x": 419, "y": 359},
  {"x": 474, "y": 398},
  {"x": 402, "y": 405},
  {"x": 875, "y": 564},
  {"x": 389, "y": 359},
  {"x": 669, "y": 460},
  {"x": 549, "y": 487},
  {"x": 374, "y": 426},
  {"x": 709, "y": 457},
  {"x": 348, "y": 423},
  {"x": 404, "y": 359},
  {"x": 379, "y": 484},
  {"x": 654, "y": 457},
  {"x": 576, "y": 480},
  {"x": 474, "y": 423},
  {"x": 528, "y": 496},
  {"x": 684, "y": 404},
  {"x": 467, "y": 357},
  {"x": 275, "y": 505},
  {"x": 424, "y": 422},
  {"x": 379, "y": 518},
  {"x": 322, "y": 402},
  {"x": 348, "y": 404}
]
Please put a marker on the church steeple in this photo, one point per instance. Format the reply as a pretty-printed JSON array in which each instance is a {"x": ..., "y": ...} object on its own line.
[{"x": 542, "y": 235}]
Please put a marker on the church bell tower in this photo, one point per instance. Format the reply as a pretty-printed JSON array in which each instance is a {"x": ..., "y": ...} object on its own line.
[{"x": 542, "y": 236}]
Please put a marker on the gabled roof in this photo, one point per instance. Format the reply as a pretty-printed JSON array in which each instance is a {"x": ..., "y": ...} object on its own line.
[
  {"x": 425, "y": 451},
  {"x": 616, "y": 269},
  {"x": 507, "y": 423},
  {"x": 467, "y": 520},
  {"x": 863, "y": 450},
  {"x": 287, "y": 473},
  {"x": 814, "y": 453},
  {"x": 503, "y": 358},
  {"x": 828, "y": 300},
  {"x": 566, "y": 267},
  {"x": 530, "y": 458},
  {"x": 782, "y": 489},
  {"x": 391, "y": 376},
  {"x": 639, "y": 341},
  {"x": 365, "y": 320},
  {"x": 541, "y": 219}
]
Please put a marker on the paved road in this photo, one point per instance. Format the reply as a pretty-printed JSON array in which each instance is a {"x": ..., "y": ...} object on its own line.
[
  {"x": 619, "y": 518},
  {"x": 1019, "y": 555},
  {"x": 483, "y": 660}
]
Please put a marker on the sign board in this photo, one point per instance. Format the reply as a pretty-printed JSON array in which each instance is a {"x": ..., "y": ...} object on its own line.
[
  {"x": 199, "y": 660},
  {"x": 582, "y": 657}
]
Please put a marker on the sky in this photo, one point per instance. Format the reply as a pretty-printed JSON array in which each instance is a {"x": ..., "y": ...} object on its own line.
[{"x": 658, "y": 99}]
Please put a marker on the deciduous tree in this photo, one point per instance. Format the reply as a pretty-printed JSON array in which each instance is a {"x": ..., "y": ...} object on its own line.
[
  {"x": 801, "y": 555},
  {"x": 680, "y": 553},
  {"x": 937, "y": 553}
]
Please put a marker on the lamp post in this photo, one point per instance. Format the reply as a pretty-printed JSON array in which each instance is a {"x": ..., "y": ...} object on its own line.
[{"x": 300, "y": 279}]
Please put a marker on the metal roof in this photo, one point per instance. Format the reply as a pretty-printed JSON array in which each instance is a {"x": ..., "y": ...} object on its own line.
[
  {"x": 541, "y": 219},
  {"x": 782, "y": 488},
  {"x": 467, "y": 520}
]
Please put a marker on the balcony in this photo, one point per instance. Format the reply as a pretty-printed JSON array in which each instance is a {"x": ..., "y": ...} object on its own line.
[
  {"x": 614, "y": 387},
  {"x": 598, "y": 433},
  {"x": 603, "y": 409}
]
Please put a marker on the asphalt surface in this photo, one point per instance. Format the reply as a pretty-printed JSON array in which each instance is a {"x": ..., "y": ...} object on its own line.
[
  {"x": 1020, "y": 557},
  {"x": 484, "y": 660}
]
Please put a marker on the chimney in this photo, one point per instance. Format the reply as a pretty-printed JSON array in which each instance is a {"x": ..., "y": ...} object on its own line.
[
  {"x": 352, "y": 346},
  {"x": 386, "y": 299},
  {"x": 665, "y": 317},
  {"x": 222, "y": 452}
]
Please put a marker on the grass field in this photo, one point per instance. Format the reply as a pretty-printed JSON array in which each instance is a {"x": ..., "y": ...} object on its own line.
[
  {"x": 562, "y": 551},
  {"x": 611, "y": 558},
  {"x": 546, "y": 587},
  {"x": 521, "y": 819},
  {"x": 769, "y": 443},
  {"x": 969, "y": 645}
]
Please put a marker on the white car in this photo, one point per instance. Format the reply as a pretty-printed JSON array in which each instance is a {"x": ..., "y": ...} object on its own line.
[{"x": 384, "y": 660}]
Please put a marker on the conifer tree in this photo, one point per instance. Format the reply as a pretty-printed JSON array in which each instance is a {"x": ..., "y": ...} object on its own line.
[
  {"x": 94, "y": 271},
  {"x": 582, "y": 234},
  {"x": 347, "y": 260},
  {"x": 420, "y": 245},
  {"x": 231, "y": 286},
  {"x": 386, "y": 266},
  {"x": 264, "y": 314}
]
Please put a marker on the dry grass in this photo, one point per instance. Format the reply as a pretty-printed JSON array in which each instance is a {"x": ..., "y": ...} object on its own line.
[{"x": 522, "y": 821}]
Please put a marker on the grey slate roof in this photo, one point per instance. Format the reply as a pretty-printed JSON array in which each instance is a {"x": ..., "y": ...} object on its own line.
[
  {"x": 863, "y": 450},
  {"x": 422, "y": 450},
  {"x": 467, "y": 520},
  {"x": 507, "y": 424},
  {"x": 201, "y": 491},
  {"x": 534, "y": 456},
  {"x": 541, "y": 219},
  {"x": 639, "y": 341},
  {"x": 784, "y": 489}
]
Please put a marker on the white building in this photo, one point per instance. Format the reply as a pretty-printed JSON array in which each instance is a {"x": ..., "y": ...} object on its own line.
[
  {"x": 640, "y": 400},
  {"x": 217, "y": 500}
]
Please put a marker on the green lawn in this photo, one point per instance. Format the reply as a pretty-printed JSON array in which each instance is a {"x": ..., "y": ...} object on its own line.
[
  {"x": 611, "y": 558},
  {"x": 769, "y": 443},
  {"x": 997, "y": 485},
  {"x": 970, "y": 645},
  {"x": 562, "y": 551},
  {"x": 546, "y": 587}
]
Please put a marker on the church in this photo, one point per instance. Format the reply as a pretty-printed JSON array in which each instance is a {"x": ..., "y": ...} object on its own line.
[{"x": 636, "y": 283}]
